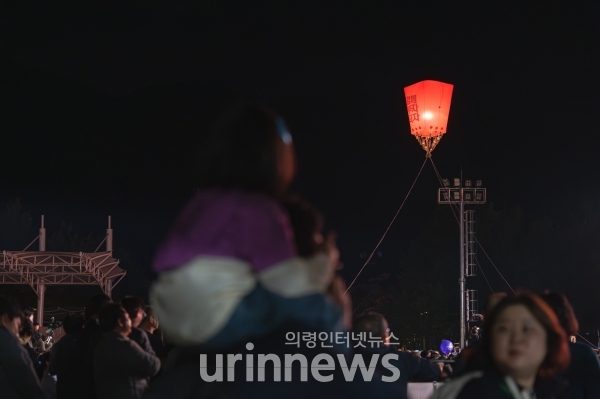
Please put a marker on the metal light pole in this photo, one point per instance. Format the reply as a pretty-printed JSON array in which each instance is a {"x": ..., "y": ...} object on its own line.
[
  {"x": 461, "y": 196},
  {"x": 461, "y": 280},
  {"x": 41, "y": 287}
]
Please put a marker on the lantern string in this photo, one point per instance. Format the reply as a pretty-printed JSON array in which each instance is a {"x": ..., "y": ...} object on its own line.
[
  {"x": 484, "y": 276},
  {"x": 478, "y": 243},
  {"x": 388, "y": 228},
  {"x": 481, "y": 246},
  {"x": 582, "y": 337}
]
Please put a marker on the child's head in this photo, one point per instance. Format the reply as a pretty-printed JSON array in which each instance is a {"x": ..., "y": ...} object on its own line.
[
  {"x": 249, "y": 148},
  {"x": 307, "y": 223}
]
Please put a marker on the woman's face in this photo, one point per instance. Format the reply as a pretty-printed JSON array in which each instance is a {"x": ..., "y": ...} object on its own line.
[{"x": 518, "y": 342}]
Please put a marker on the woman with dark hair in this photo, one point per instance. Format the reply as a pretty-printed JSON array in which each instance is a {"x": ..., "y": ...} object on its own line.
[
  {"x": 229, "y": 268},
  {"x": 523, "y": 349},
  {"x": 583, "y": 373}
]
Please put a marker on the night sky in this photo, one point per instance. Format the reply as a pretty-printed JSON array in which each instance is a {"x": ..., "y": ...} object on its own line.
[{"x": 102, "y": 105}]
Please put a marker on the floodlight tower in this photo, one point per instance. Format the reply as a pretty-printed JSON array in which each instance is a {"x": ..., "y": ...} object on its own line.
[{"x": 461, "y": 196}]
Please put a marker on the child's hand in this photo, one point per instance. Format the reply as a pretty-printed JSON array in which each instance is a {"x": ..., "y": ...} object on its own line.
[{"x": 330, "y": 247}]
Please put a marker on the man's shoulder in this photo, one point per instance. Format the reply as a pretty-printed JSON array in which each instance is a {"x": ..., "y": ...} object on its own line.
[
  {"x": 139, "y": 334},
  {"x": 114, "y": 344},
  {"x": 136, "y": 333},
  {"x": 112, "y": 338},
  {"x": 9, "y": 339},
  {"x": 5, "y": 333}
]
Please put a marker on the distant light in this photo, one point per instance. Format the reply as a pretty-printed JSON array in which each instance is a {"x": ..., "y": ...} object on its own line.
[
  {"x": 467, "y": 183},
  {"x": 456, "y": 182},
  {"x": 428, "y": 115},
  {"x": 478, "y": 183}
]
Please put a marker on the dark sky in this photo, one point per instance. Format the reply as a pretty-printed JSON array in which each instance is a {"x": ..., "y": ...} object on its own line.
[{"x": 97, "y": 100}]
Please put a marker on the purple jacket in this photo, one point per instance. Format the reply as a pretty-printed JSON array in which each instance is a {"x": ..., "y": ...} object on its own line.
[{"x": 252, "y": 227}]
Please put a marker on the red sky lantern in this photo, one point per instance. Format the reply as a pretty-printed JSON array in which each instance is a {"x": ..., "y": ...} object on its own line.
[{"x": 428, "y": 105}]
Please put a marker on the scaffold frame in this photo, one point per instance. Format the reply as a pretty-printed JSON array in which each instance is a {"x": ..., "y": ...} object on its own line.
[{"x": 42, "y": 268}]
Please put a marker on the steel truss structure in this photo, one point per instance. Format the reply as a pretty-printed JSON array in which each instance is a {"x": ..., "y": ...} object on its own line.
[
  {"x": 39, "y": 269},
  {"x": 60, "y": 268}
]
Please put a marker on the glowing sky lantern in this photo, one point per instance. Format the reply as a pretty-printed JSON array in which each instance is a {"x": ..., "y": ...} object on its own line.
[{"x": 428, "y": 105}]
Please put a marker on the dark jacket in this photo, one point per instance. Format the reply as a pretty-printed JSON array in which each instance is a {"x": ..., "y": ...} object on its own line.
[
  {"x": 33, "y": 355},
  {"x": 86, "y": 345},
  {"x": 18, "y": 379},
  {"x": 65, "y": 364},
  {"x": 583, "y": 373},
  {"x": 411, "y": 367},
  {"x": 36, "y": 336},
  {"x": 158, "y": 345},
  {"x": 122, "y": 368},
  {"x": 493, "y": 385},
  {"x": 140, "y": 337}
]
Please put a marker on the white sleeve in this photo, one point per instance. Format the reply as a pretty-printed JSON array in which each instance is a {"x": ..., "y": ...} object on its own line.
[
  {"x": 299, "y": 276},
  {"x": 194, "y": 301}
]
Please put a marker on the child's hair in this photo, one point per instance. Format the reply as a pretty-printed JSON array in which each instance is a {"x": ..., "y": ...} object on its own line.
[
  {"x": 307, "y": 223},
  {"x": 241, "y": 151}
]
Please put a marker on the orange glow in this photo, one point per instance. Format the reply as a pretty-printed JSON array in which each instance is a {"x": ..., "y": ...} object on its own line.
[{"x": 428, "y": 106}]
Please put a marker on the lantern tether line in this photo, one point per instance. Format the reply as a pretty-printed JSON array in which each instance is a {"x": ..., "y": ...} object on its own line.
[
  {"x": 483, "y": 274},
  {"x": 481, "y": 246},
  {"x": 478, "y": 243},
  {"x": 582, "y": 337},
  {"x": 388, "y": 228}
]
